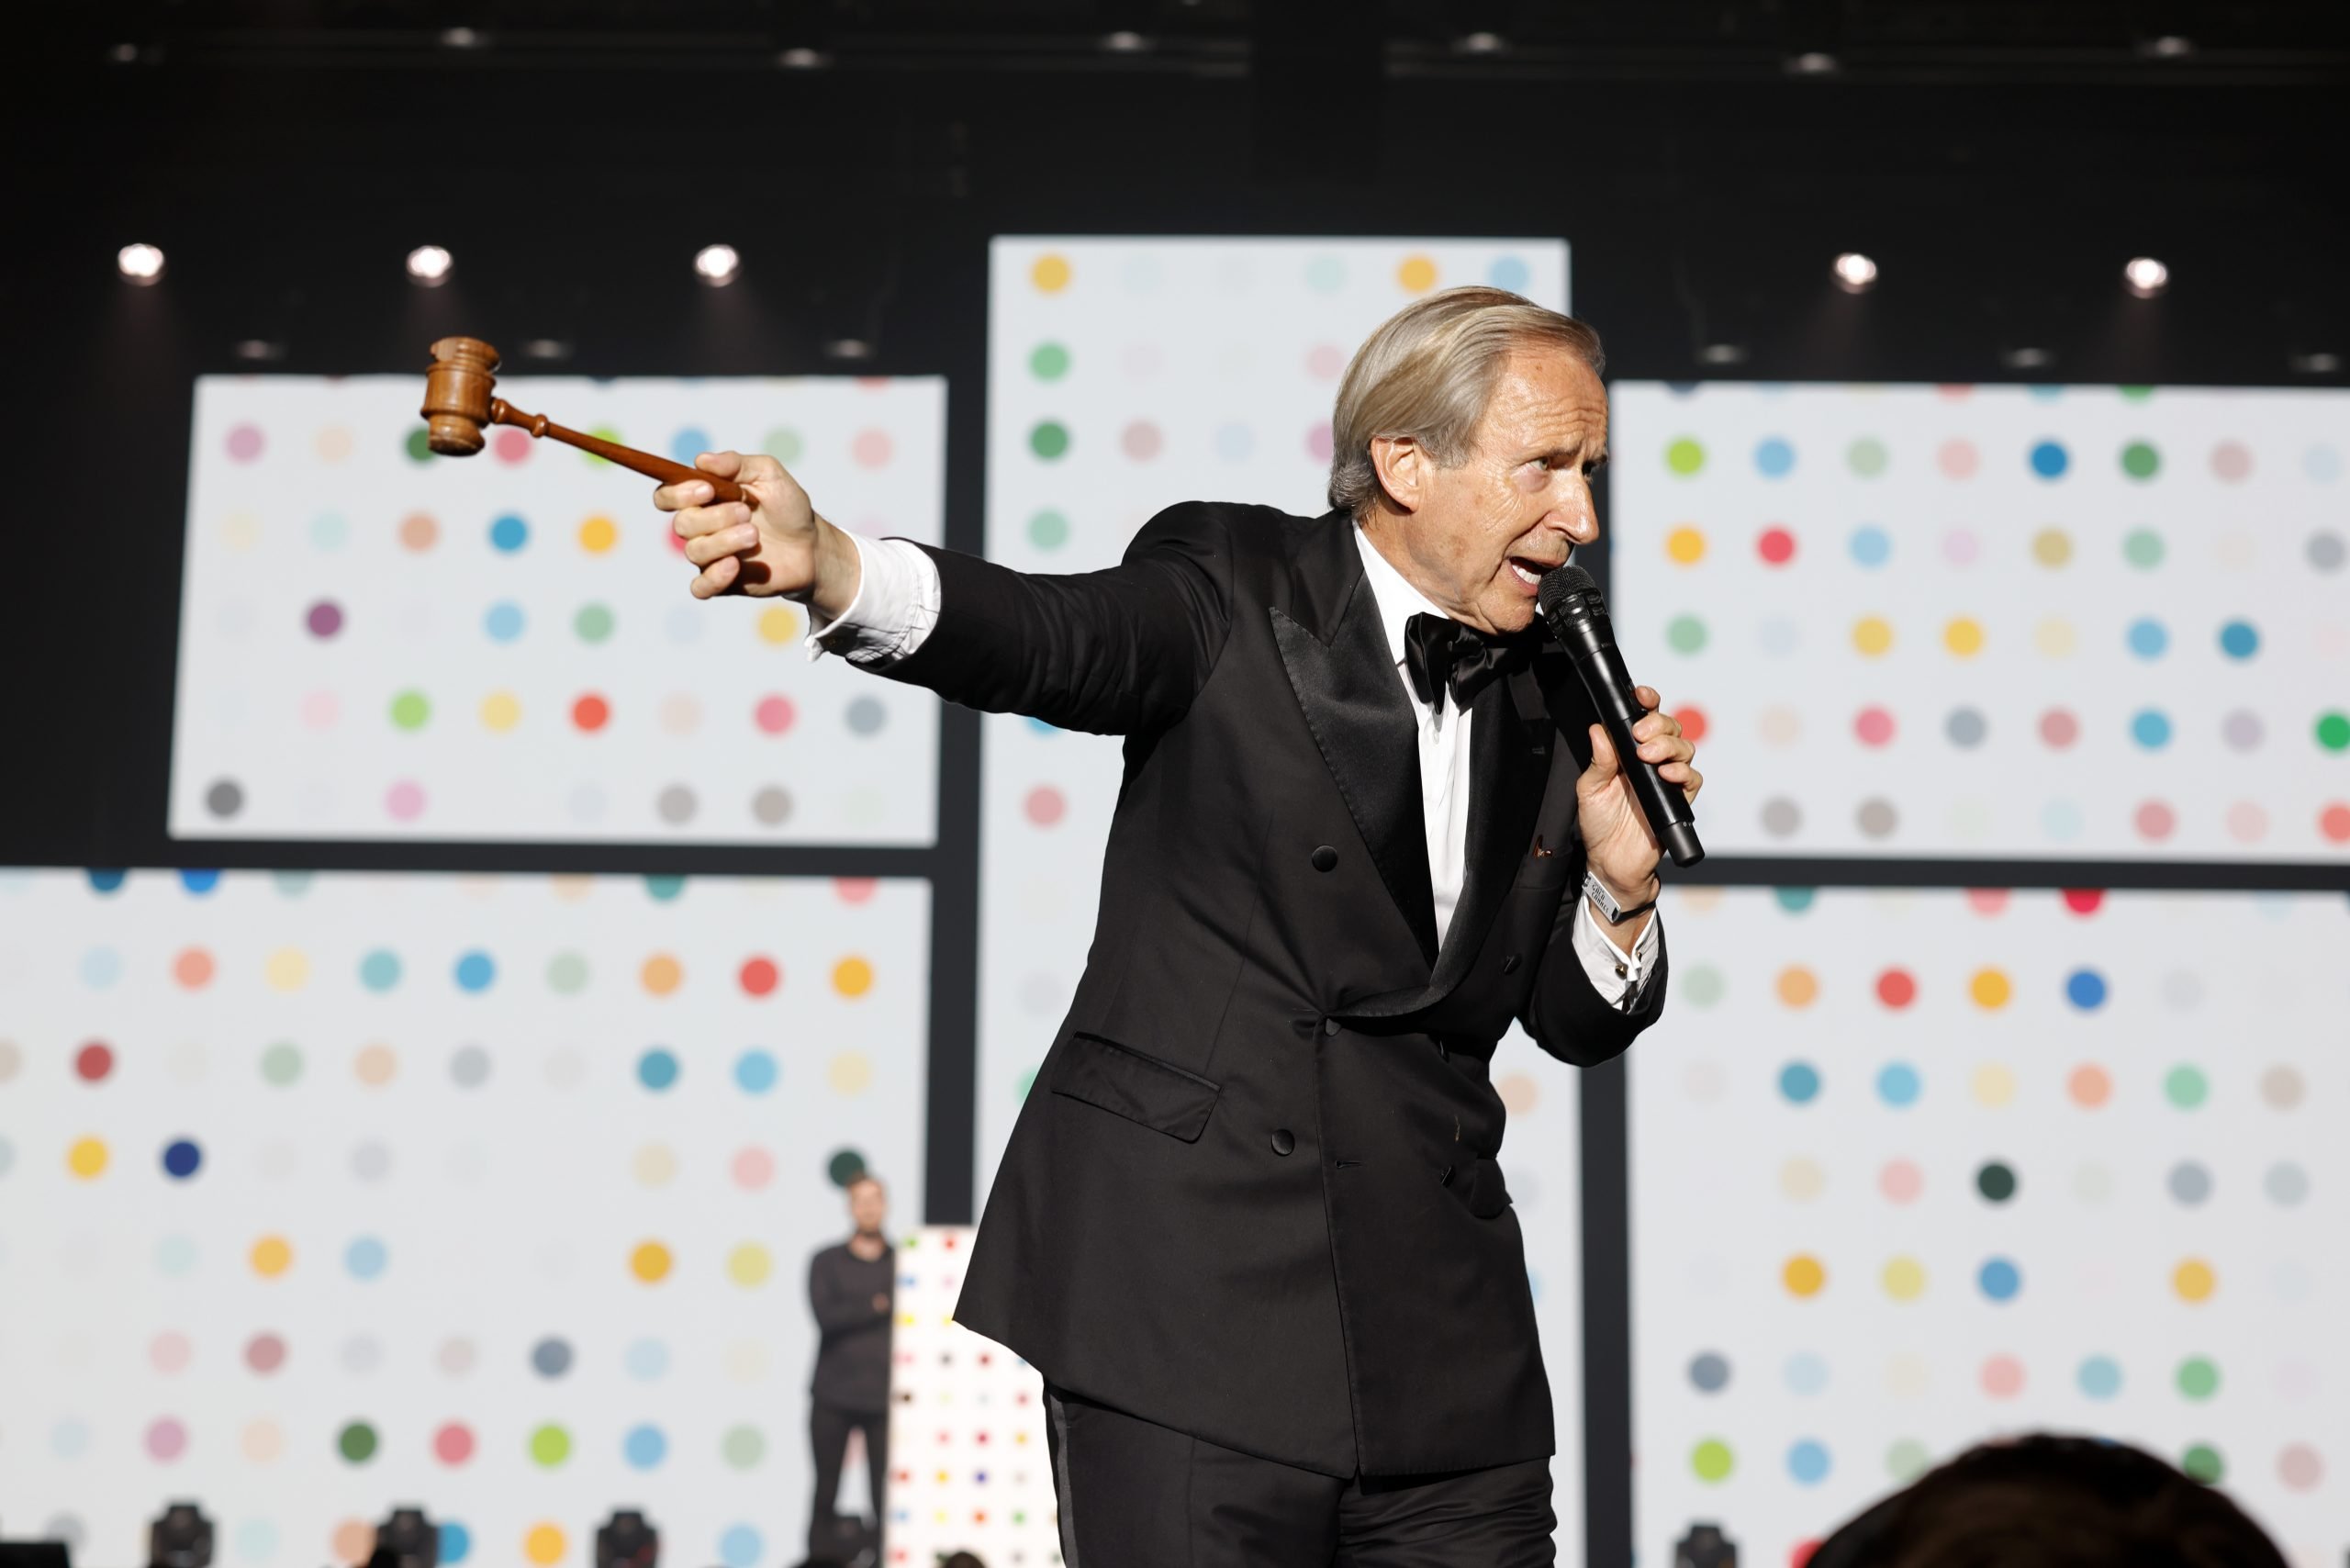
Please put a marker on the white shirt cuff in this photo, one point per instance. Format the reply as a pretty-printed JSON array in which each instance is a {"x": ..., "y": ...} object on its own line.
[
  {"x": 895, "y": 607},
  {"x": 1614, "y": 973}
]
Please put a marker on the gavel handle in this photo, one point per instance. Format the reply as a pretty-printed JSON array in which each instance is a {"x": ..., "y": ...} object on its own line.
[{"x": 501, "y": 412}]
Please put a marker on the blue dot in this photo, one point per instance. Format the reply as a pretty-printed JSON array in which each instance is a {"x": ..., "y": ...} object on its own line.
[
  {"x": 2147, "y": 638},
  {"x": 644, "y": 1446},
  {"x": 475, "y": 971},
  {"x": 101, "y": 967},
  {"x": 2084, "y": 989},
  {"x": 690, "y": 444},
  {"x": 456, "y": 1541},
  {"x": 181, "y": 1158},
  {"x": 106, "y": 882},
  {"x": 1897, "y": 1083},
  {"x": 257, "y": 1541},
  {"x": 1999, "y": 1279},
  {"x": 199, "y": 883},
  {"x": 509, "y": 533},
  {"x": 740, "y": 1547},
  {"x": 504, "y": 621},
  {"x": 648, "y": 1358},
  {"x": 1806, "y": 1373},
  {"x": 1871, "y": 545},
  {"x": 1774, "y": 457},
  {"x": 1038, "y": 727},
  {"x": 2044, "y": 391},
  {"x": 658, "y": 1069},
  {"x": 1794, "y": 900},
  {"x": 1807, "y": 1463},
  {"x": 754, "y": 1071},
  {"x": 1799, "y": 1082},
  {"x": 1508, "y": 272},
  {"x": 2049, "y": 460},
  {"x": 380, "y": 970},
  {"x": 2149, "y": 729},
  {"x": 2100, "y": 1377},
  {"x": 2238, "y": 640},
  {"x": 663, "y": 889},
  {"x": 365, "y": 1257}
]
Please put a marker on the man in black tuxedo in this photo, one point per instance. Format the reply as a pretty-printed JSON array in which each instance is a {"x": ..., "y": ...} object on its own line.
[{"x": 1250, "y": 1228}]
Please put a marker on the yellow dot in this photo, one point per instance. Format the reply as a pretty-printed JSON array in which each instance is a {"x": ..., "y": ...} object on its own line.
[
  {"x": 1050, "y": 274},
  {"x": 777, "y": 625},
  {"x": 1797, "y": 986},
  {"x": 655, "y": 1166},
  {"x": 1686, "y": 545},
  {"x": 2194, "y": 1279},
  {"x": 851, "y": 977},
  {"x": 242, "y": 530},
  {"x": 1994, "y": 1085},
  {"x": 87, "y": 1158},
  {"x": 849, "y": 1072},
  {"x": 1417, "y": 274},
  {"x": 2054, "y": 637},
  {"x": 662, "y": 974},
  {"x": 1801, "y": 1180},
  {"x": 287, "y": 969},
  {"x": 1989, "y": 988},
  {"x": 272, "y": 1257},
  {"x": 1872, "y": 634},
  {"x": 2050, "y": 547},
  {"x": 544, "y": 1544},
  {"x": 650, "y": 1262},
  {"x": 1905, "y": 1279},
  {"x": 501, "y": 711},
  {"x": 749, "y": 1264},
  {"x": 598, "y": 534},
  {"x": 1963, "y": 637},
  {"x": 1803, "y": 1274}
]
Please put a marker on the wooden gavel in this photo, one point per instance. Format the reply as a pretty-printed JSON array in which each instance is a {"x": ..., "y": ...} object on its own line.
[{"x": 457, "y": 404}]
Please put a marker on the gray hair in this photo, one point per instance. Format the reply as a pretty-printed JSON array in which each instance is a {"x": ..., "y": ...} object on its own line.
[{"x": 1428, "y": 372}]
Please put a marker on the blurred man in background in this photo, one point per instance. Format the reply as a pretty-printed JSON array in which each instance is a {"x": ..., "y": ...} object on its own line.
[{"x": 849, "y": 1292}]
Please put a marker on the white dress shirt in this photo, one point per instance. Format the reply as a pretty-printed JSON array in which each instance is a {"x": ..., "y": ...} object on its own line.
[{"x": 897, "y": 604}]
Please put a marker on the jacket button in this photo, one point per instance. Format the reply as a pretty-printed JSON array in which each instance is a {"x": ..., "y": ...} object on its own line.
[
  {"x": 1509, "y": 964},
  {"x": 1326, "y": 859},
  {"x": 1331, "y": 1025},
  {"x": 1283, "y": 1140}
]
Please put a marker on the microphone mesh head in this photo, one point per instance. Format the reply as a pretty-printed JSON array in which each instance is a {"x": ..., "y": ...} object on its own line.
[{"x": 1562, "y": 583}]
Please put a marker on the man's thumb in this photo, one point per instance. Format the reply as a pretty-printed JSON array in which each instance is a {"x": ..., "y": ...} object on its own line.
[{"x": 1602, "y": 754}]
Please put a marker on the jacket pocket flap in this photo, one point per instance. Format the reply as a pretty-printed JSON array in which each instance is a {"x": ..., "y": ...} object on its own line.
[{"x": 1142, "y": 1089}]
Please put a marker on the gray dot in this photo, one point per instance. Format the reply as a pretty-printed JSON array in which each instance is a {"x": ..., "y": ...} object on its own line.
[
  {"x": 2189, "y": 1182},
  {"x": 455, "y": 1357},
  {"x": 865, "y": 716},
  {"x": 2326, "y": 551},
  {"x": 292, "y": 884},
  {"x": 772, "y": 805},
  {"x": 470, "y": 1067},
  {"x": 371, "y": 1162},
  {"x": 2282, "y": 1087},
  {"x": 67, "y": 1529},
  {"x": 1780, "y": 817},
  {"x": 676, "y": 804},
  {"x": 2182, "y": 990},
  {"x": 12, "y": 1060},
  {"x": 362, "y": 1354},
  {"x": 2287, "y": 1184},
  {"x": 1876, "y": 819},
  {"x": 7, "y": 1156},
  {"x": 551, "y": 1358},
  {"x": 1710, "y": 1373},
  {"x": 566, "y": 1068},
  {"x": 225, "y": 799},
  {"x": 2242, "y": 729},
  {"x": 1966, "y": 727}
]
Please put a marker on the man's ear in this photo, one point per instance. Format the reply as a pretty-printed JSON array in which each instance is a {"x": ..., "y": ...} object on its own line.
[{"x": 1401, "y": 464}]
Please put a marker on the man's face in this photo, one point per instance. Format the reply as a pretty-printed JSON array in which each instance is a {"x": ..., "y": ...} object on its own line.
[
  {"x": 1482, "y": 534},
  {"x": 868, "y": 1207}
]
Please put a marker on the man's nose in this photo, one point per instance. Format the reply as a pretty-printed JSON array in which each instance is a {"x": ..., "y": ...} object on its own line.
[{"x": 1575, "y": 516}]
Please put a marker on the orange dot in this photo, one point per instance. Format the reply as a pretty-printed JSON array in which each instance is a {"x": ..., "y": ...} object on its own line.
[
  {"x": 591, "y": 712},
  {"x": 650, "y": 1262},
  {"x": 851, "y": 977},
  {"x": 598, "y": 534},
  {"x": 2194, "y": 1279},
  {"x": 1417, "y": 274},
  {"x": 1050, "y": 274},
  {"x": 193, "y": 968},
  {"x": 2090, "y": 1086},
  {"x": 417, "y": 531},
  {"x": 376, "y": 1065},
  {"x": 1989, "y": 988},
  {"x": 1692, "y": 723},
  {"x": 1804, "y": 1275},
  {"x": 662, "y": 974},
  {"x": 272, "y": 1257},
  {"x": 1797, "y": 986},
  {"x": 354, "y": 1542}
]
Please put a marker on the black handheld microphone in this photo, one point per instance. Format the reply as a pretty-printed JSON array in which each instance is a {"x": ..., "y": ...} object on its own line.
[{"x": 1578, "y": 617}]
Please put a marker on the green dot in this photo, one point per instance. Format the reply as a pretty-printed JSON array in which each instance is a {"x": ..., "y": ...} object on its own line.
[
  {"x": 2139, "y": 460},
  {"x": 567, "y": 974},
  {"x": 1794, "y": 900},
  {"x": 1028, "y": 1081},
  {"x": 356, "y": 1442},
  {"x": 1703, "y": 985},
  {"x": 420, "y": 446},
  {"x": 2143, "y": 547},
  {"x": 409, "y": 710},
  {"x": 1907, "y": 1460},
  {"x": 662, "y": 889},
  {"x": 1686, "y": 633},
  {"x": 743, "y": 1447},
  {"x": 844, "y": 1167},
  {"x": 1866, "y": 456},
  {"x": 281, "y": 1064},
  {"x": 2136, "y": 393},
  {"x": 550, "y": 1445},
  {"x": 2187, "y": 1087},
  {"x": 783, "y": 444},
  {"x": 1684, "y": 456},
  {"x": 2334, "y": 731},
  {"x": 1049, "y": 363},
  {"x": 1050, "y": 439},
  {"x": 602, "y": 432},
  {"x": 1996, "y": 1182},
  {"x": 594, "y": 622},
  {"x": 2202, "y": 1462},
  {"x": 1710, "y": 1459},
  {"x": 2199, "y": 1378},
  {"x": 1048, "y": 530}
]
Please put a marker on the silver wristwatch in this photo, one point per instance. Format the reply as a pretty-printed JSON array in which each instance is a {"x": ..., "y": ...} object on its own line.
[{"x": 1597, "y": 892}]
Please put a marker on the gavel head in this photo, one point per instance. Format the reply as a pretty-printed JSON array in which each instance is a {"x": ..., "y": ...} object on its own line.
[{"x": 456, "y": 394}]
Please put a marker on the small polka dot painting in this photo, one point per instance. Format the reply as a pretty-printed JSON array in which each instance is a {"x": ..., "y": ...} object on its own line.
[{"x": 504, "y": 648}]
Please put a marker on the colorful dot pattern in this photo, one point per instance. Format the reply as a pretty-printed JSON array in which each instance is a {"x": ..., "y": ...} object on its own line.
[
  {"x": 1914, "y": 1168},
  {"x": 502, "y": 646},
  {"x": 2077, "y": 623},
  {"x": 355, "y": 1186}
]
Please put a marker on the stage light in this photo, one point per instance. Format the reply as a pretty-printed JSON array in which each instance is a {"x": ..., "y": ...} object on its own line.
[
  {"x": 141, "y": 265},
  {"x": 717, "y": 264},
  {"x": 2026, "y": 358},
  {"x": 1855, "y": 274},
  {"x": 260, "y": 350},
  {"x": 545, "y": 348},
  {"x": 124, "y": 54},
  {"x": 1722, "y": 354},
  {"x": 802, "y": 59},
  {"x": 1813, "y": 62},
  {"x": 181, "y": 1537},
  {"x": 461, "y": 37},
  {"x": 849, "y": 348},
  {"x": 1124, "y": 42},
  {"x": 627, "y": 1541},
  {"x": 2316, "y": 363},
  {"x": 2170, "y": 46},
  {"x": 1481, "y": 43},
  {"x": 2145, "y": 277},
  {"x": 429, "y": 265}
]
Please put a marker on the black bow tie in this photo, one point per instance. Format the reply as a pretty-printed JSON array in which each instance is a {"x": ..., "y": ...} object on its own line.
[{"x": 1440, "y": 652}]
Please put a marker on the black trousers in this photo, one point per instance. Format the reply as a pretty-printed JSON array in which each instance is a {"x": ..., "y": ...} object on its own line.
[
  {"x": 828, "y": 1430},
  {"x": 1137, "y": 1495}
]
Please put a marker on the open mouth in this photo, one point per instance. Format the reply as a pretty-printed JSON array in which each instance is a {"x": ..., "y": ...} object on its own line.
[{"x": 1530, "y": 571}]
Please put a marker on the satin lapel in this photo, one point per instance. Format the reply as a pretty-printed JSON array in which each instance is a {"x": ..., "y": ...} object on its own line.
[{"x": 1505, "y": 780}]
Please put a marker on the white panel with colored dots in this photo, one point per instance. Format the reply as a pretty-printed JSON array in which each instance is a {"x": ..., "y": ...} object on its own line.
[
  {"x": 493, "y": 1195},
  {"x": 376, "y": 642},
  {"x": 1911, "y": 1169},
  {"x": 2087, "y": 623}
]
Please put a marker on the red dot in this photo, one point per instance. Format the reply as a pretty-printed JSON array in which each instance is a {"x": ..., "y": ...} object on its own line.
[
  {"x": 1801, "y": 1556},
  {"x": 677, "y": 546},
  {"x": 2059, "y": 729},
  {"x": 773, "y": 714},
  {"x": 1045, "y": 805},
  {"x": 1775, "y": 545},
  {"x": 1987, "y": 900},
  {"x": 759, "y": 975},
  {"x": 2155, "y": 821},
  {"x": 94, "y": 1061},
  {"x": 2002, "y": 1377},
  {"x": 1692, "y": 723},
  {"x": 513, "y": 446},
  {"x": 1873, "y": 726},
  {"x": 453, "y": 1444},
  {"x": 1896, "y": 989},
  {"x": 855, "y": 890},
  {"x": 591, "y": 712},
  {"x": 264, "y": 1353},
  {"x": 2082, "y": 901},
  {"x": 2334, "y": 823}
]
